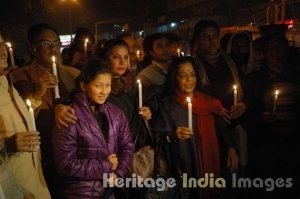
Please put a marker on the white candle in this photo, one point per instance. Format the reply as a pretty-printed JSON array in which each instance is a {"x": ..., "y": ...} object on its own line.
[
  {"x": 54, "y": 69},
  {"x": 11, "y": 54},
  {"x": 31, "y": 113},
  {"x": 275, "y": 100},
  {"x": 190, "y": 116},
  {"x": 85, "y": 47},
  {"x": 140, "y": 93},
  {"x": 178, "y": 52},
  {"x": 234, "y": 95},
  {"x": 138, "y": 54}
]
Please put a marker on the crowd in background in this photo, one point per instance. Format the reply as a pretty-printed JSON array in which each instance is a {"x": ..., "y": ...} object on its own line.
[{"x": 240, "y": 125}]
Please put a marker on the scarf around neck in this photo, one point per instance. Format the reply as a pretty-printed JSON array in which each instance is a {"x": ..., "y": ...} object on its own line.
[
  {"x": 122, "y": 84},
  {"x": 205, "y": 109},
  {"x": 200, "y": 58}
]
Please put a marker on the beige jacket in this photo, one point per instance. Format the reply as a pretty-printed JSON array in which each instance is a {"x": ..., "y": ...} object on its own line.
[{"x": 26, "y": 166}]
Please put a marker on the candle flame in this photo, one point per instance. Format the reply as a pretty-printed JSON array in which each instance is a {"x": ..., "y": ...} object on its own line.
[
  {"x": 234, "y": 87},
  {"x": 138, "y": 81},
  {"x": 8, "y": 44},
  {"x": 276, "y": 92},
  {"x": 138, "y": 52},
  {"x": 86, "y": 41},
  {"x": 28, "y": 102},
  {"x": 188, "y": 99},
  {"x": 53, "y": 59},
  {"x": 178, "y": 50}
]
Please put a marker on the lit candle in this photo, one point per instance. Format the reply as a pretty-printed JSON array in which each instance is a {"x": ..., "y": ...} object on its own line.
[
  {"x": 190, "y": 116},
  {"x": 85, "y": 47},
  {"x": 140, "y": 93},
  {"x": 182, "y": 53},
  {"x": 11, "y": 54},
  {"x": 178, "y": 52},
  {"x": 55, "y": 73},
  {"x": 234, "y": 95},
  {"x": 138, "y": 54},
  {"x": 275, "y": 100},
  {"x": 31, "y": 113}
]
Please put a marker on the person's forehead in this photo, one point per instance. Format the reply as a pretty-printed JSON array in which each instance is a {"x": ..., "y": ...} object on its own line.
[
  {"x": 209, "y": 30},
  {"x": 48, "y": 34},
  {"x": 161, "y": 40},
  {"x": 185, "y": 66},
  {"x": 118, "y": 49}
]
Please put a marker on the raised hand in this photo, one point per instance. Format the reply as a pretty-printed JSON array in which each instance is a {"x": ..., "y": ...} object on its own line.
[
  {"x": 145, "y": 113},
  {"x": 48, "y": 80},
  {"x": 183, "y": 132},
  {"x": 237, "y": 110},
  {"x": 28, "y": 141}
]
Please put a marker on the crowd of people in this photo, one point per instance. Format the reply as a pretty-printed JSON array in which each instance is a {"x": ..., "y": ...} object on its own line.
[{"x": 245, "y": 97}]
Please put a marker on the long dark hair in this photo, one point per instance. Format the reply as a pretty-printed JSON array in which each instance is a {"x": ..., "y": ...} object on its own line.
[{"x": 170, "y": 86}]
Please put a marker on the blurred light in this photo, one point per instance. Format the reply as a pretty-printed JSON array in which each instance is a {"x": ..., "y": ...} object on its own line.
[
  {"x": 173, "y": 25},
  {"x": 289, "y": 22},
  {"x": 141, "y": 33}
]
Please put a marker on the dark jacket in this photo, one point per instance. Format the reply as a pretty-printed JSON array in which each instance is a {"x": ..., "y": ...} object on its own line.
[{"x": 81, "y": 150}]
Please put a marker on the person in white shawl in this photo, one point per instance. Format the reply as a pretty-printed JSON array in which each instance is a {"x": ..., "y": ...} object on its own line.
[{"x": 21, "y": 141}]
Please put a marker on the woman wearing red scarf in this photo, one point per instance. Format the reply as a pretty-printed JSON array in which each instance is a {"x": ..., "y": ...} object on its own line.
[{"x": 196, "y": 151}]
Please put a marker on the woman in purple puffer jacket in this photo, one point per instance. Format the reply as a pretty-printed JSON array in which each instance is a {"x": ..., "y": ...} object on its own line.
[{"x": 99, "y": 145}]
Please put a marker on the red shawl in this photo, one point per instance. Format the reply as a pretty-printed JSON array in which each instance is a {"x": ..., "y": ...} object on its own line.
[{"x": 205, "y": 108}]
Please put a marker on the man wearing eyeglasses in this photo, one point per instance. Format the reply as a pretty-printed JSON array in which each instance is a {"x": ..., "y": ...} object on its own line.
[{"x": 37, "y": 82}]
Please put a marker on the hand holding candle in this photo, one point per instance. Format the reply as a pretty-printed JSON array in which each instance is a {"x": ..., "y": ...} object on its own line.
[
  {"x": 140, "y": 92},
  {"x": 55, "y": 73},
  {"x": 11, "y": 54},
  {"x": 234, "y": 95},
  {"x": 190, "y": 116},
  {"x": 275, "y": 101}
]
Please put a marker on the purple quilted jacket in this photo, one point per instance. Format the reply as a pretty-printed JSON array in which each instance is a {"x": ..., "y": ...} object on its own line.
[{"x": 81, "y": 151}]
